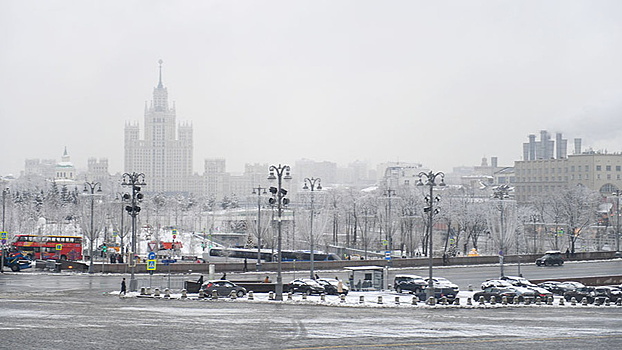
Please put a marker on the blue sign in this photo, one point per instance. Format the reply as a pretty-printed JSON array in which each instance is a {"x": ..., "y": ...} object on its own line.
[
  {"x": 387, "y": 255},
  {"x": 151, "y": 256},
  {"x": 166, "y": 262},
  {"x": 151, "y": 265}
]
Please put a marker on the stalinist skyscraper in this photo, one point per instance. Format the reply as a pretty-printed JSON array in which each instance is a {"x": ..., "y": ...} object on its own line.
[{"x": 164, "y": 154}]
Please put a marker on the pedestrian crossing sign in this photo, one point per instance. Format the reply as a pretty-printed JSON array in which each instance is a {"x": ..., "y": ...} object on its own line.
[
  {"x": 151, "y": 264},
  {"x": 59, "y": 247}
]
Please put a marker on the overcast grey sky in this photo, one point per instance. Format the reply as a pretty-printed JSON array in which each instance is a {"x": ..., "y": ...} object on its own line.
[{"x": 443, "y": 83}]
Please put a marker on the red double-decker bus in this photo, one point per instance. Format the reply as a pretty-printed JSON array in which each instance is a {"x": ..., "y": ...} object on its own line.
[{"x": 46, "y": 247}]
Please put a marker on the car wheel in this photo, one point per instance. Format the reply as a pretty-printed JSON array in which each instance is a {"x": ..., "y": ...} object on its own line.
[
  {"x": 14, "y": 268},
  {"x": 240, "y": 293},
  {"x": 398, "y": 289},
  {"x": 546, "y": 263},
  {"x": 308, "y": 292}
]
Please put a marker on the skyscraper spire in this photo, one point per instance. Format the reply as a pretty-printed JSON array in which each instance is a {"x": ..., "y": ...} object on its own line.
[{"x": 160, "y": 83}]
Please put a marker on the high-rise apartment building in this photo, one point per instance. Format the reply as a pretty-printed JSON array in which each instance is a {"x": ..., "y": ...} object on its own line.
[{"x": 165, "y": 153}]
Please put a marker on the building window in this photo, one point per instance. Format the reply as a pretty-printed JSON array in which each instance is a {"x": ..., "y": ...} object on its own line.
[
  {"x": 572, "y": 168},
  {"x": 608, "y": 167},
  {"x": 618, "y": 168},
  {"x": 598, "y": 168}
]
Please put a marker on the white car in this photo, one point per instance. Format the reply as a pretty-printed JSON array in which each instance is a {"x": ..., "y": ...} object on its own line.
[
  {"x": 496, "y": 283},
  {"x": 444, "y": 283}
]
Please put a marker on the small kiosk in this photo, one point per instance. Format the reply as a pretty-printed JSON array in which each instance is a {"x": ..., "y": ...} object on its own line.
[{"x": 366, "y": 278}]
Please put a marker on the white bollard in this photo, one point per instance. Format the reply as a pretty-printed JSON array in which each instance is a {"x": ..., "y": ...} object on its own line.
[
  {"x": 251, "y": 295},
  {"x": 289, "y": 296},
  {"x": 397, "y": 300},
  {"x": 271, "y": 295},
  {"x": 342, "y": 297},
  {"x": 167, "y": 293},
  {"x": 380, "y": 299},
  {"x": 157, "y": 293},
  {"x": 414, "y": 300},
  {"x": 184, "y": 294},
  {"x": 432, "y": 301},
  {"x": 469, "y": 302},
  {"x": 562, "y": 301},
  {"x": 214, "y": 294},
  {"x": 361, "y": 299}
]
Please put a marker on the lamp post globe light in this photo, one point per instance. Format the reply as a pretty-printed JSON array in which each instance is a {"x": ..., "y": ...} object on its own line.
[
  {"x": 312, "y": 184},
  {"x": 135, "y": 180},
  {"x": 90, "y": 187},
  {"x": 259, "y": 191},
  {"x": 278, "y": 174},
  {"x": 430, "y": 180}
]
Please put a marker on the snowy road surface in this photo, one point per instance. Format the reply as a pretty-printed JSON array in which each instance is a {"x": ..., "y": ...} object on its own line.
[{"x": 80, "y": 312}]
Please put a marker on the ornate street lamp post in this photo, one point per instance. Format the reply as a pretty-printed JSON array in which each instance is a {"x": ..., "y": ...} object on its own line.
[
  {"x": 431, "y": 182},
  {"x": 278, "y": 197},
  {"x": 312, "y": 184},
  {"x": 135, "y": 180},
  {"x": 90, "y": 187},
  {"x": 259, "y": 191}
]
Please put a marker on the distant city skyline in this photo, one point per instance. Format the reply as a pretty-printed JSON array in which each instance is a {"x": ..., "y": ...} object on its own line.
[{"x": 443, "y": 85}]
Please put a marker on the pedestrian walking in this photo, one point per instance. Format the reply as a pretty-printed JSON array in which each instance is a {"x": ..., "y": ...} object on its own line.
[
  {"x": 123, "y": 287},
  {"x": 245, "y": 265},
  {"x": 339, "y": 287}
]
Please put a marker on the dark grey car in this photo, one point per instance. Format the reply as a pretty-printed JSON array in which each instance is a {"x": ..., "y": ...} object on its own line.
[{"x": 223, "y": 288}]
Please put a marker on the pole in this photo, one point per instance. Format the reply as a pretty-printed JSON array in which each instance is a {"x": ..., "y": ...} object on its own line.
[
  {"x": 430, "y": 181},
  {"x": 3, "y": 230},
  {"x": 430, "y": 290},
  {"x": 135, "y": 180},
  {"x": 279, "y": 277},
  {"x": 259, "y": 188},
  {"x": 280, "y": 193},
  {"x": 92, "y": 235},
  {"x": 90, "y": 186},
  {"x": 617, "y": 193}
]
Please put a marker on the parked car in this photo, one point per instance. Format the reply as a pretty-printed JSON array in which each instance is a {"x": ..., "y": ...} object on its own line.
[
  {"x": 606, "y": 292},
  {"x": 409, "y": 283},
  {"x": 223, "y": 288},
  {"x": 496, "y": 283},
  {"x": 551, "y": 258},
  {"x": 517, "y": 281},
  {"x": 444, "y": 283},
  {"x": 439, "y": 292},
  {"x": 331, "y": 286},
  {"x": 558, "y": 288},
  {"x": 509, "y": 292},
  {"x": 541, "y": 292},
  {"x": 305, "y": 285},
  {"x": 580, "y": 293}
]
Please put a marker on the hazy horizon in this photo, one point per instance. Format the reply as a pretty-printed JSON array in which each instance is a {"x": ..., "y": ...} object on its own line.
[{"x": 438, "y": 83}]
